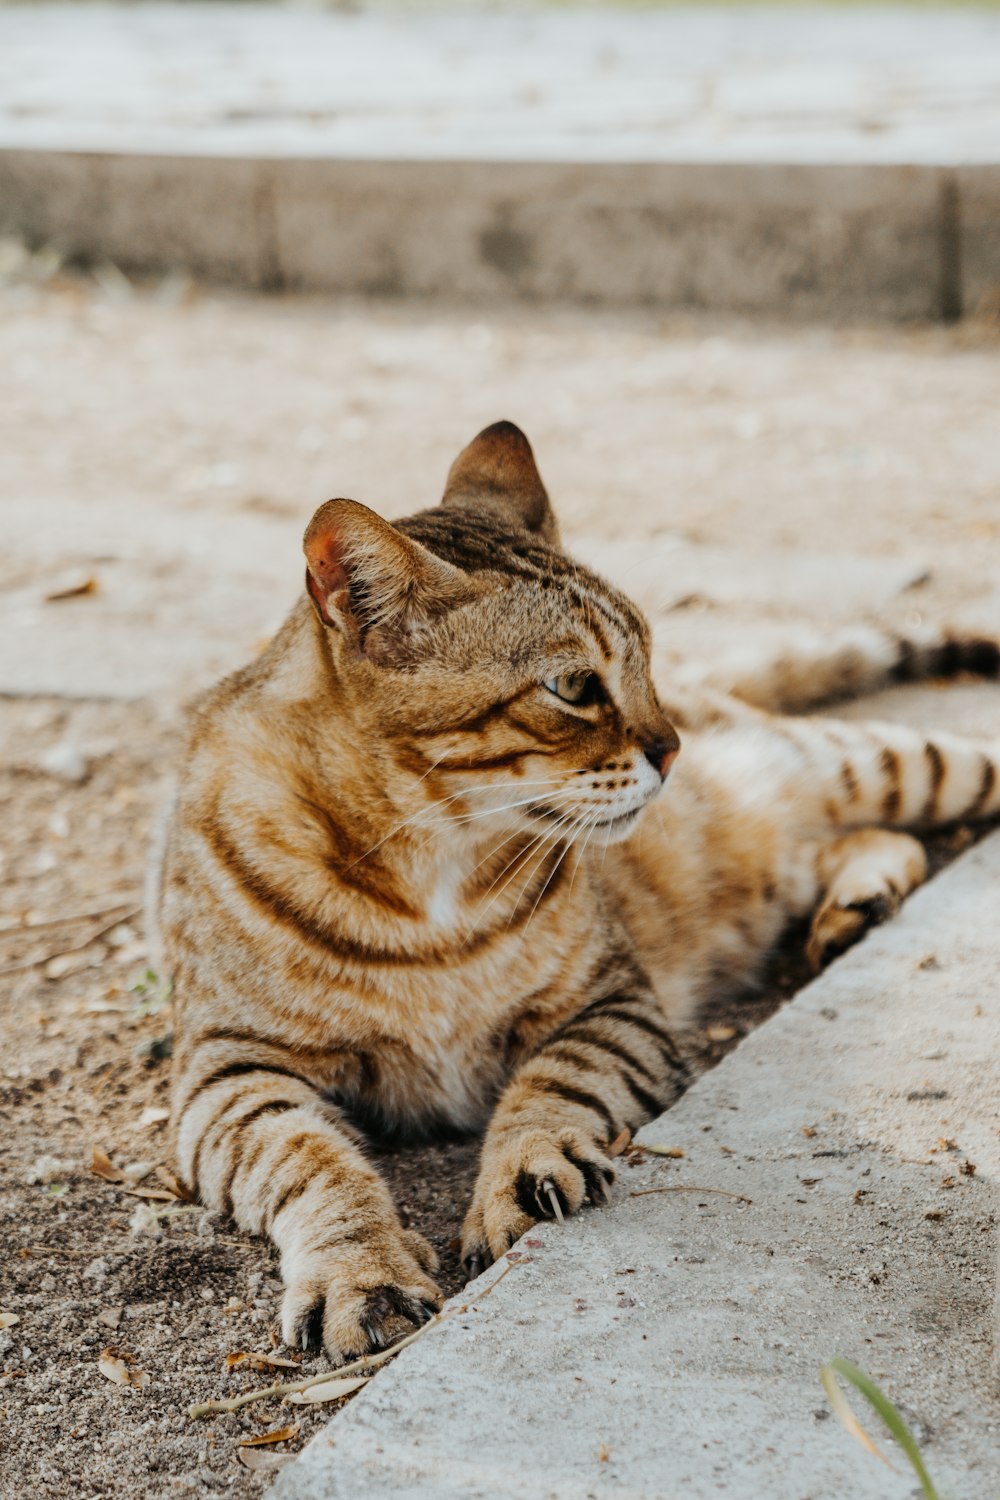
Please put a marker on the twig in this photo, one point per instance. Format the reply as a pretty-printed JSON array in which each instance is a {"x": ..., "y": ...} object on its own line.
[
  {"x": 46, "y": 958},
  {"x": 357, "y": 1366},
  {"x": 684, "y": 1187},
  {"x": 24, "y": 929},
  {"x": 25, "y": 1250}
]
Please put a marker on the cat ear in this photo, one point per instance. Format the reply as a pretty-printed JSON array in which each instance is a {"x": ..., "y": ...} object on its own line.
[
  {"x": 369, "y": 580},
  {"x": 497, "y": 473}
]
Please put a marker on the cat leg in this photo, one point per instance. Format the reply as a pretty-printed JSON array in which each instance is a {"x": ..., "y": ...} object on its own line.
[
  {"x": 613, "y": 1066},
  {"x": 257, "y": 1139},
  {"x": 865, "y": 875}
]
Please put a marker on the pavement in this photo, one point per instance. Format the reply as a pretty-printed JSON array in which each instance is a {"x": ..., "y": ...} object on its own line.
[
  {"x": 834, "y": 1192},
  {"x": 818, "y": 163}
]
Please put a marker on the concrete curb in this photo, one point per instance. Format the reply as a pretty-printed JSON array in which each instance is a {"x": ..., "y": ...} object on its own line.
[
  {"x": 838, "y": 1172},
  {"x": 801, "y": 240}
]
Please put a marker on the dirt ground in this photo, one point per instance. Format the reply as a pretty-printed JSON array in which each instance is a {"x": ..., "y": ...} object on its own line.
[{"x": 193, "y": 412}]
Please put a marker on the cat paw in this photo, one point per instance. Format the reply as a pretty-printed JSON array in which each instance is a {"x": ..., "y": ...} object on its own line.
[
  {"x": 358, "y": 1296},
  {"x": 838, "y": 926},
  {"x": 530, "y": 1177}
]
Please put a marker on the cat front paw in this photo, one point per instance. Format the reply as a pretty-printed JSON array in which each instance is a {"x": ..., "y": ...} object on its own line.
[
  {"x": 358, "y": 1295},
  {"x": 530, "y": 1177}
]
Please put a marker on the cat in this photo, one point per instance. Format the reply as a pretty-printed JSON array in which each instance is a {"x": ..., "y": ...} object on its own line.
[{"x": 421, "y": 871}]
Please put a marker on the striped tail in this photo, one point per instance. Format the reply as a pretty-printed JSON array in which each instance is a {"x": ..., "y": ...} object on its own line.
[
  {"x": 893, "y": 775},
  {"x": 820, "y": 669}
]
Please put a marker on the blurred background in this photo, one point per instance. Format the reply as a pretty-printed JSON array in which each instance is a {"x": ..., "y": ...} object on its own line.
[{"x": 735, "y": 270}]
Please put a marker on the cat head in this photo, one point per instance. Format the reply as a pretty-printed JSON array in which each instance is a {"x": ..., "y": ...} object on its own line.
[{"x": 485, "y": 661}]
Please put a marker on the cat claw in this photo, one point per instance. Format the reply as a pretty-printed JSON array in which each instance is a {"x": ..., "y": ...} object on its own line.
[
  {"x": 548, "y": 1187},
  {"x": 475, "y": 1265},
  {"x": 373, "y": 1335}
]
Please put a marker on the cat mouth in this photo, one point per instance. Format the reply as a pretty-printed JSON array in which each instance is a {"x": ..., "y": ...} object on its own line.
[{"x": 610, "y": 825}]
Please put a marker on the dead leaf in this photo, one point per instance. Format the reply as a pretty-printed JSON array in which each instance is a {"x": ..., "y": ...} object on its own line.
[
  {"x": 102, "y": 1166},
  {"x": 720, "y": 1033},
  {"x": 260, "y": 1461},
  {"x": 809, "y": 1131},
  {"x": 620, "y": 1142},
  {"x": 675, "y": 1152},
  {"x": 8, "y": 1320},
  {"x": 110, "y": 1316},
  {"x": 153, "y": 1116},
  {"x": 278, "y": 1435},
  {"x": 73, "y": 588},
  {"x": 260, "y": 1362},
  {"x": 174, "y": 1185},
  {"x": 120, "y": 1367},
  {"x": 329, "y": 1390}
]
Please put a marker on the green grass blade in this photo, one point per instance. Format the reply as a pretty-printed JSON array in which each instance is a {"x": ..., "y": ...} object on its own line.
[{"x": 885, "y": 1409}]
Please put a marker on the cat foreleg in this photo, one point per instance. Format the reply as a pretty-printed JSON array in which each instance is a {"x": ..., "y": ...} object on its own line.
[
  {"x": 613, "y": 1066},
  {"x": 260, "y": 1142}
]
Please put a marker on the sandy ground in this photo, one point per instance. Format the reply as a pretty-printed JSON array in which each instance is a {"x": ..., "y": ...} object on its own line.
[{"x": 171, "y": 417}]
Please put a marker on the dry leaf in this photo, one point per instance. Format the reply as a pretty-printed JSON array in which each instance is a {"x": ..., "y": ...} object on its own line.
[
  {"x": 174, "y": 1185},
  {"x": 73, "y": 588},
  {"x": 720, "y": 1033},
  {"x": 110, "y": 1316},
  {"x": 260, "y": 1461},
  {"x": 119, "y": 1366},
  {"x": 260, "y": 1362},
  {"x": 620, "y": 1142},
  {"x": 155, "y": 1195},
  {"x": 8, "y": 1320},
  {"x": 102, "y": 1166},
  {"x": 329, "y": 1390},
  {"x": 153, "y": 1116},
  {"x": 279, "y": 1435},
  {"x": 672, "y": 1151}
]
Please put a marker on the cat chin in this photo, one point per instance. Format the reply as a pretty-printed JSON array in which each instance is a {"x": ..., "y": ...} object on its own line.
[{"x": 615, "y": 831}]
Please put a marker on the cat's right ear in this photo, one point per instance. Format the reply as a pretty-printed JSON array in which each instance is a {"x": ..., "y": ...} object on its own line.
[{"x": 371, "y": 582}]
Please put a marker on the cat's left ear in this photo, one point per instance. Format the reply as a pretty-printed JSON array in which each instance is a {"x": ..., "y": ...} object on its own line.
[
  {"x": 497, "y": 473},
  {"x": 370, "y": 581}
]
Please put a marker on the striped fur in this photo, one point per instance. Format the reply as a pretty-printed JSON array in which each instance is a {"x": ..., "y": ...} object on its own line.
[{"x": 408, "y": 885}]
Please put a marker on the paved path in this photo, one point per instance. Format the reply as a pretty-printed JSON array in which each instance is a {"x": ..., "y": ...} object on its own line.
[
  {"x": 715, "y": 85},
  {"x": 671, "y": 1344}
]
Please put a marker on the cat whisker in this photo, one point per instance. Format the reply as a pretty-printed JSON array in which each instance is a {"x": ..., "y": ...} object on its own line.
[{"x": 538, "y": 847}]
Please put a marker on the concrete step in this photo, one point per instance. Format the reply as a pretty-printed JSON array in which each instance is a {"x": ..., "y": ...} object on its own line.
[{"x": 836, "y": 163}]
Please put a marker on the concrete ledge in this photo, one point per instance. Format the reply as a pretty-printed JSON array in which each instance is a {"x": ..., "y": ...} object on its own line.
[
  {"x": 810, "y": 241},
  {"x": 671, "y": 1343}
]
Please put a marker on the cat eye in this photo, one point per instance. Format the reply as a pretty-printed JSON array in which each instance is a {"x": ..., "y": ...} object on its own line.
[{"x": 575, "y": 687}]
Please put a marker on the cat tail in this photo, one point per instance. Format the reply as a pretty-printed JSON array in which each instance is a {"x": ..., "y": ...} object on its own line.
[
  {"x": 821, "y": 668},
  {"x": 895, "y": 776}
]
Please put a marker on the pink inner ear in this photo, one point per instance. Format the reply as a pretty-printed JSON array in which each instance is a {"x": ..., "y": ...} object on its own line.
[
  {"x": 326, "y": 578},
  {"x": 323, "y": 556}
]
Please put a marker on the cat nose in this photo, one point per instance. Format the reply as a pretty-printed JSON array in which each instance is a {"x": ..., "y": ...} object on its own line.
[{"x": 661, "y": 754}]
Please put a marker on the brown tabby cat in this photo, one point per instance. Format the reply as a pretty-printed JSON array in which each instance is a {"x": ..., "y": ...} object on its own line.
[{"x": 418, "y": 873}]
